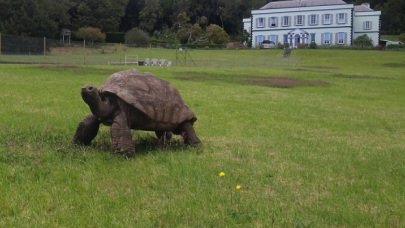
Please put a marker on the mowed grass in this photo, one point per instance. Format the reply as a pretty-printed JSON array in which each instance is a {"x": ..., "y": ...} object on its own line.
[{"x": 305, "y": 155}]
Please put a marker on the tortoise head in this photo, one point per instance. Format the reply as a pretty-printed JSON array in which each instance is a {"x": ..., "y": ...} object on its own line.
[
  {"x": 90, "y": 94},
  {"x": 99, "y": 105}
]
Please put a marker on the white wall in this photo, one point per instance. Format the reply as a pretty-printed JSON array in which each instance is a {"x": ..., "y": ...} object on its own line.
[
  {"x": 359, "y": 25},
  {"x": 318, "y": 28}
]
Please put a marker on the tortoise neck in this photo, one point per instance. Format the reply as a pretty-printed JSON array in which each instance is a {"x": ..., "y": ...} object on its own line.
[{"x": 100, "y": 108}]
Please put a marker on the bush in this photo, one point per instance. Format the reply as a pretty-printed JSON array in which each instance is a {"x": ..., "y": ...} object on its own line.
[
  {"x": 91, "y": 34},
  {"x": 363, "y": 41},
  {"x": 115, "y": 37},
  {"x": 396, "y": 47},
  {"x": 137, "y": 37},
  {"x": 302, "y": 46},
  {"x": 378, "y": 47},
  {"x": 216, "y": 34},
  {"x": 280, "y": 46},
  {"x": 313, "y": 45},
  {"x": 402, "y": 38}
]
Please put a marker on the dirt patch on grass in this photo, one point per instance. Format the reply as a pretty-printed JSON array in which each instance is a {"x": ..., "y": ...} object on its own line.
[
  {"x": 57, "y": 66},
  {"x": 394, "y": 65},
  {"x": 322, "y": 67},
  {"x": 354, "y": 76},
  {"x": 253, "y": 79},
  {"x": 302, "y": 69},
  {"x": 287, "y": 82}
]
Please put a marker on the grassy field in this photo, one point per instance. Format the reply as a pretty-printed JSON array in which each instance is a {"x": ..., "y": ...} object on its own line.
[{"x": 320, "y": 145}]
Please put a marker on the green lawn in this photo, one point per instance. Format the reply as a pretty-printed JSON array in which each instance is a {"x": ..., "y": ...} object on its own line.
[{"x": 327, "y": 152}]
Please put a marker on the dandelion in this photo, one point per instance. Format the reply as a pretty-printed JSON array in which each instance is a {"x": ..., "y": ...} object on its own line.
[
  {"x": 221, "y": 174},
  {"x": 238, "y": 187}
]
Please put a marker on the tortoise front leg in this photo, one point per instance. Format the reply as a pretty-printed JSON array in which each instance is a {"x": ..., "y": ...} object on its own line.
[
  {"x": 86, "y": 130},
  {"x": 121, "y": 136},
  {"x": 186, "y": 130}
]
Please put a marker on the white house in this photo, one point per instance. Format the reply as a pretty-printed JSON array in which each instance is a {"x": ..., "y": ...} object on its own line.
[{"x": 325, "y": 22}]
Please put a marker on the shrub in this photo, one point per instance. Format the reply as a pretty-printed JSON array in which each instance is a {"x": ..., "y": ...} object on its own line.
[
  {"x": 302, "y": 46},
  {"x": 378, "y": 47},
  {"x": 313, "y": 45},
  {"x": 91, "y": 34},
  {"x": 280, "y": 46},
  {"x": 402, "y": 38},
  {"x": 137, "y": 37},
  {"x": 216, "y": 34},
  {"x": 363, "y": 41}
]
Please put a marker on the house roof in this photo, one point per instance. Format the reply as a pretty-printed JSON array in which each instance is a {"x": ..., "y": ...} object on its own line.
[
  {"x": 362, "y": 8},
  {"x": 302, "y": 3}
]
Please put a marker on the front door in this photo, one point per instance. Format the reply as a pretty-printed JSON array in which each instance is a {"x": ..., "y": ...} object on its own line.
[{"x": 297, "y": 40}]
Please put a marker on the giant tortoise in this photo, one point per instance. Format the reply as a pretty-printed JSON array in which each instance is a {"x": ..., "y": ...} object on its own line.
[{"x": 131, "y": 99}]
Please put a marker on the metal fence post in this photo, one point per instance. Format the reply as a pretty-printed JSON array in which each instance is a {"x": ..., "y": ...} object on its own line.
[
  {"x": 44, "y": 48},
  {"x": 0, "y": 47},
  {"x": 84, "y": 49}
]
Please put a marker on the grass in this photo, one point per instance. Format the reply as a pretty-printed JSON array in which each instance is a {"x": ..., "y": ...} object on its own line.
[{"x": 324, "y": 155}]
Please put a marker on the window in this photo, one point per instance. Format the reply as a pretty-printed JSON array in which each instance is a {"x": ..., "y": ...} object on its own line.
[
  {"x": 299, "y": 20},
  {"x": 312, "y": 20},
  {"x": 312, "y": 37},
  {"x": 326, "y": 38},
  {"x": 260, "y": 39},
  {"x": 326, "y": 19},
  {"x": 260, "y": 22},
  {"x": 341, "y": 38},
  {"x": 273, "y": 22},
  {"x": 341, "y": 18},
  {"x": 286, "y": 21},
  {"x": 273, "y": 38},
  {"x": 285, "y": 39},
  {"x": 367, "y": 25}
]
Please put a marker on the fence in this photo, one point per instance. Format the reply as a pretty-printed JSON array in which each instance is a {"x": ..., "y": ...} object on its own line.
[{"x": 29, "y": 50}]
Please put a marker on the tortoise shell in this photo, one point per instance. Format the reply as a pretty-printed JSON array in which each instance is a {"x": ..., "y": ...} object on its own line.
[{"x": 155, "y": 97}]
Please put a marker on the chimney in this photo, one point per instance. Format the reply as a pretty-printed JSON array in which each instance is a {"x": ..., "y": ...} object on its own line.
[{"x": 366, "y": 4}]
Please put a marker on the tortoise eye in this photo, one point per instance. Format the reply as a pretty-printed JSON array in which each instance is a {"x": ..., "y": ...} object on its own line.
[{"x": 91, "y": 88}]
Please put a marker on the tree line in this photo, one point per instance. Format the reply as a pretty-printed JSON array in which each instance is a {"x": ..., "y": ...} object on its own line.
[{"x": 45, "y": 18}]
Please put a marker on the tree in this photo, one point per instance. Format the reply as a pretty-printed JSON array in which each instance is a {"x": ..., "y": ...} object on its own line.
[
  {"x": 363, "y": 41},
  {"x": 90, "y": 34},
  {"x": 216, "y": 34},
  {"x": 402, "y": 38},
  {"x": 149, "y": 15},
  {"x": 137, "y": 37},
  {"x": 37, "y": 18},
  {"x": 103, "y": 14}
]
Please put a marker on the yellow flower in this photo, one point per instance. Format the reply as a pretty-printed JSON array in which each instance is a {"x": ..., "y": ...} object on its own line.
[
  {"x": 238, "y": 186},
  {"x": 221, "y": 174}
]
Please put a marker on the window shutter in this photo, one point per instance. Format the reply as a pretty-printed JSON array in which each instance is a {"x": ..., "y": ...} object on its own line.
[
  {"x": 257, "y": 22},
  {"x": 323, "y": 19},
  {"x": 344, "y": 41},
  {"x": 345, "y": 18},
  {"x": 289, "y": 20},
  {"x": 309, "y": 19},
  {"x": 337, "y": 18},
  {"x": 322, "y": 38},
  {"x": 264, "y": 23},
  {"x": 364, "y": 25},
  {"x": 371, "y": 25},
  {"x": 331, "y": 18},
  {"x": 255, "y": 41},
  {"x": 276, "y": 21},
  {"x": 295, "y": 20},
  {"x": 303, "y": 19},
  {"x": 337, "y": 38},
  {"x": 269, "y": 22},
  {"x": 276, "y": 39},
  {"x": 317, "y": 19},
  {"x": 330, "y": 37}
]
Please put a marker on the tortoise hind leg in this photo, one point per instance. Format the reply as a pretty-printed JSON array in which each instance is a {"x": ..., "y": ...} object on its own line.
[
  {"x": 187, "y": 131},
  {"x": 121, "y": 136},
  {"x": 86, "y": 130},
  {"x": 164, "y": 135}
]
